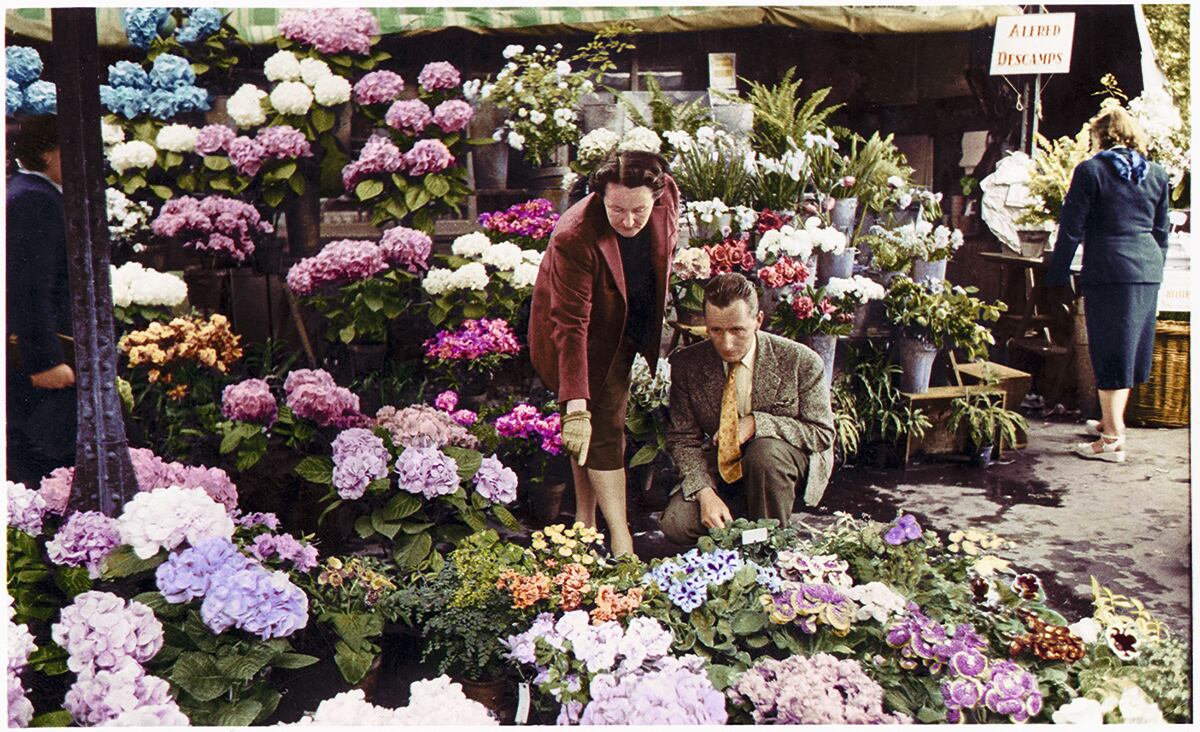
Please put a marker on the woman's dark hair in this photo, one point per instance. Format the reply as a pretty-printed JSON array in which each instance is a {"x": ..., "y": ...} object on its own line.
[
  {"x": 35, "y": 137},
  {"x": 726, "y": 289},
  {"x": 631, "y": 169}
]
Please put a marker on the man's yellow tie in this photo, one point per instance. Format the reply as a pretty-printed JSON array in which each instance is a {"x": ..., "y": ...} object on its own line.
[{"x": 729, "y": 452}]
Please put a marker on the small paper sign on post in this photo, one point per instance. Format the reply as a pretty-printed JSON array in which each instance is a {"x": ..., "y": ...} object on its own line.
[
  {"x": 722, "y": 71},
  {"x": 1033, "y": 44}
]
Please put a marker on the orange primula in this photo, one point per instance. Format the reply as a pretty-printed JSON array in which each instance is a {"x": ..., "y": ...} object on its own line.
[
  {"x": 611, "y": 605},
  {"x": 526, "y": 591},
  {"x": 573, "y": 581},
  {"x": 209, "y": 343}
]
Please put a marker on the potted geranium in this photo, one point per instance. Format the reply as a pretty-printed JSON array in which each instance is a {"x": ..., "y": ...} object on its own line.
[{"x": 816, "y": 316}]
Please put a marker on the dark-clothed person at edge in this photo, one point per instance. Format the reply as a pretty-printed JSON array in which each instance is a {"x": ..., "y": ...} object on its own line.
[
  {"x": 599, "y": 299},
  {"x": 1118, "y": 207},
  {"x": 751, "y": 421}
]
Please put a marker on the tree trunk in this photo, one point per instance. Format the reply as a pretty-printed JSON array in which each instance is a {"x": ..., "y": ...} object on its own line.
[{"x": 104, "y": 477}]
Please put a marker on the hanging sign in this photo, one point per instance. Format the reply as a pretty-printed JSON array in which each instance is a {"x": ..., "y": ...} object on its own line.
[{"x": 1033, "y": 44}]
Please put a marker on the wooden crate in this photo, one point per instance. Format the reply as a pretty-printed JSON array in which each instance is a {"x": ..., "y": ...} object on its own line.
[
  {"x": 935, "y": 403},
  {"x": 1014, "y": 382}
]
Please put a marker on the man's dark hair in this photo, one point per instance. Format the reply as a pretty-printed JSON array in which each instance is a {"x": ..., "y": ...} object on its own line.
[
  {"x": 35, "y": 137},
  {"x": 726, "y": 289},
  {"x": 631, "y": 169}
]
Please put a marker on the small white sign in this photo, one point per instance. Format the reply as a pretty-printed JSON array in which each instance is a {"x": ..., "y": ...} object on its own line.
[
  {"x": 1033, "y": 44},
  {"x": 522, "y": 715},
  {"x": 754, "y": 536},
  {"x": 722, "y": 71}
]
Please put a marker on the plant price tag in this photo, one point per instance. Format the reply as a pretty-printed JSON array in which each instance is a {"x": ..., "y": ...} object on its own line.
[
  {"x": 522, "y": 703},
  {"x": 754, "y": 536}
]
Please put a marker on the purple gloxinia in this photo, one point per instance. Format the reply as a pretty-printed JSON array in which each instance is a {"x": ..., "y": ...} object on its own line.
[{"x": 905, "y": 529}]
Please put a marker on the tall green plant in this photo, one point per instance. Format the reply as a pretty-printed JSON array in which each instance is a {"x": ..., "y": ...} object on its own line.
[
  {"x": 985, "y": 417},
  {"x": 781, "y": 113},
  {"x": 883, "y": 414},
  {"x": 666, "y": 114}
]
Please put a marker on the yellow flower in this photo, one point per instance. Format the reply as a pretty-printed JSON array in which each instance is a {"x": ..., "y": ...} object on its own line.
[
  {"x": 578, "y": 525},
  {"x": 539, "y": 544},
  {"x": 970, "y": 548},
  {"x": 586, "y": 559},
  {"x": 955, "y": 537},
  {"x": 989, "y": 564},
  {"x": 974, "y": 535},
  {"x": 564, "y": 552},
  {"x": 537, "y": 535}
]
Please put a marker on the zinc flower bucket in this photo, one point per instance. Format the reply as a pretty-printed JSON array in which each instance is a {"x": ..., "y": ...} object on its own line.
[
  {"x": 916, "y": 359},
  {"x": 923, "y": 270}
]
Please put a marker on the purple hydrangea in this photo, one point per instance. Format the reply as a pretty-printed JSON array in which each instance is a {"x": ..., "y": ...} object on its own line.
[
  {"x": 213, "y": 481},
  {"x": 379, "y": 155},
  {"x": 378, "y": 87},
  {"x": 256, "y": 518},
  {"x": 439, "y": 75},
  {"x": 284, "y": 142},
  {"x": 446, "y": 401},
  {"x": 495, "y": 482},
  {"x": 99, "y": 631},
  {"x": 472, "y": 340},
  {"x": 406, "y": 248},
  {"x": 84, "y": 541},
  {"x": 299, "y": 377},
  {"x": 20, "y": 646},
  {"x": 187, "y": 575},
  {"x": 338, "y": 263},
  {"x": 151, "y": 715},
  {"x": 152, "y": 472},
  {"x": 905, "y": 529},
  {"x": 359, "y": 457},
  {"x": 212, "y": 139},
  {"x": 257, "y": 601},
  {"x": 821, "y": 689},
  {"x": 285, "y": 548},
  {"x": 526, "y": 420},
  {"x": 331, "y": 30},
  {"x": 250, "y": 401},
  {"x": 453, "y": 115},
  {"x": 464, "y": 417},
  {"x": 99, "y": 696},
  {"x": 428, "y": 156},
  {"x": 26, "y": 508},
  {"x": 246, "y": 154},
  {"x": 327, "y": 406},
  {"x": 55, "y": 489},
  {"x": 213, "y": 224},
  {"x": 535, "y": 219},
  {"x": 677, "y": 692},
  {"x": 427, "y": 471},
  {"x": 410, "y": 116}
]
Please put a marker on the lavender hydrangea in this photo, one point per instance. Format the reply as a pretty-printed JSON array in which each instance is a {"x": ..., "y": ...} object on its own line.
[
  {"x": 453, "y": 115},
  {"x": 677, "y": 692},
  {"x": 379, "y": 155},
  {"x": 338, "y": 263},
  {"x": 26, "y": 508},
  {"x": 359, "y": 457},
  {"x": 98, "y": 630},
  {"x": 427, "y": 471},
  {"x": 378, "y": 87},
  {"x": 55, "y": 489},
  {"x": 250, "y": 401},
  {"x": 212, "y": 139},
  {"x": 428, "y": 156},
  {"x": 495, "y": 482},
  {"x": 151, "y": 715},
  {"x": 285, "y": 548},
  {"x": 99, "y": 696},
  {"x": 20, "y": 646},
  {"x": 257, "y": 601},
  {"x": 84, "y": 541},
  {"x": 439, "y": 75},
  {"x": 187, "y": 575},
  {"x": 258, "y": 518},
  {"x": 213, "y": 481},
  {"x": 821, "y": 689}
]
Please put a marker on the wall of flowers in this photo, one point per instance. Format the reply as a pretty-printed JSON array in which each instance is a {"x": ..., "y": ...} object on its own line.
[{"x": 374, "y": 486}]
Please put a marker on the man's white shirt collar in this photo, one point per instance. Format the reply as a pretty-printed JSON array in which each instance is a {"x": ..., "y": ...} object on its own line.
[{"x": 40, "y": 174}]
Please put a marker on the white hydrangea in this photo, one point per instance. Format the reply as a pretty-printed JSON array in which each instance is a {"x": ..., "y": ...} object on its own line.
[
  {"x": 512, "y": 50},
  {"x": 177, "y": 138},
  {"x": 245, "y": 106},
  {"x": 155, "y": 715},
  {"x": 331, "y": 91},
  {"x": 437, "y": 281},
  {"x": 282, "y": 66},
  {"x": 516, "y": 140},
  {"x": 167, "y": 517},
  {"x": 640, "y": 139},
  {"x": 532, "y": 256},
  {"x": 291, "y": 97},
  {"x": 877, "y": 601},
  {"x": 691, "y": 263},
  {"x": 470, "y": 245},
  {"x": 313, "y": 70},
  {"x": 525, "y": 275},
  {"x": 795, "y": 243},
  {"x": 825, "y": 238},
  {"x": 472, "y": 90},
  {"x": 471, "y": 276},
  {"x": 439, "y": 702},
  {"x": 597, "y": 144},
  {"x": 133, "y": 284},
  {"x": 132, "y": 154},
  {"x": 349, "y": 709},
  {"x": 111, "y": 134},
  {"x": 565, "y": 117},
  {"x": 126, "y": 217},
  {"x": 503, "y": 256}
]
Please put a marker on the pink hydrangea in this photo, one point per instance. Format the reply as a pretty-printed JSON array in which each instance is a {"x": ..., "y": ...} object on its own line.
[
  {"x": 213, "y": 481},
  {"x": 299, "y": 377},
  {"x": 250, "y": 401},
  {"x": 98, "y": 630},
  {"x": 453, "y": 115},
  {"x": 526, "y": 420},
  {"x": 247, "y": 155},
  {"x": 423, "y": 424},
  {"x": 84, "y": 541},
  {"x": 331, "y": 30},
  {"x": 339, "y": 263},
  {"x": 213, "y": 139},
  {"x": 407, "y": 248},
  {"x": 55, "y": 489},
  {"x": 428, "y": 156},
  {"x": 328, "y": 406},
  {"x": 439, "y": 75},
  {"x": 379, "y": 155},
  {"x": 284, "y": 142},
  {"x": 410, "y": 116},
  {"x": 378, "y": 87},
  {"x": 214, "y": 224}
]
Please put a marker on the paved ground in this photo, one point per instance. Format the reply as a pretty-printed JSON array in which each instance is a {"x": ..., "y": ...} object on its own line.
[{"x": 1128, "y": 525}]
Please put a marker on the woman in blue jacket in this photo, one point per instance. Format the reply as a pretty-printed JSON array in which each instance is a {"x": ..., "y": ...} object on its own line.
[{"x": 1117, "y": 206}]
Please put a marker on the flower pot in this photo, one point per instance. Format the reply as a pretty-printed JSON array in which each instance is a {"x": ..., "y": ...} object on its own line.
[
  {"x": 825, "y": 346},
  {"x": 370, "y": 683},
  {"x": 866, "y": 317},
  {"x": 834, "y": 265},
  {"x": 490, "y": 164},
  {"x": 982, "y": 456},
  {"x": 771, "y": 298},
  {"x": 923, "y": 270},
  {"x": 208, "y": 289},
  {"x": 916, "y": 359},
  {"x": 1033, "y": 242},
  {"x": 268, "y": 257},
  {"x": 842, "y": 216},
  {"x": 545, "y": 502},
  {"x": 366, "y": 358},
  {"x": 303, "y": 214},
  {"x": 492, "y": 694}
]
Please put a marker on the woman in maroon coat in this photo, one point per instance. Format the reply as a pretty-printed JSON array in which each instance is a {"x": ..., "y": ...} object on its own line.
[{"x": 599, "y": 299}]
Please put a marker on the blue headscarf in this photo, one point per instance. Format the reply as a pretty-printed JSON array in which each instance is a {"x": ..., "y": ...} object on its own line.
[{"x": 1128, "y": 163}]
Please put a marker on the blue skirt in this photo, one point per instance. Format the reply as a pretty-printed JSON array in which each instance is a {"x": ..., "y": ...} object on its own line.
[{"x": 1120, "y": 329}]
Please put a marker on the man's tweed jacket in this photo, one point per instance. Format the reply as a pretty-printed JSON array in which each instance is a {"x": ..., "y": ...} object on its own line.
[{"x": 789, "y": 400}]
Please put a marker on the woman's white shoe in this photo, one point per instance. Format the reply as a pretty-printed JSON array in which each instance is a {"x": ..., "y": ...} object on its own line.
[
  {"x": 1092, "y": 427},
  {"x": 1107, "y": 448}
]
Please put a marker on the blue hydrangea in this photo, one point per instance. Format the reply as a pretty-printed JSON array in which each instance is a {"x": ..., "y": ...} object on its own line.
[
  {"x": 13, "y": 98},
  {"x": 171, "y": 71},
  {"x": 123, "y": 100},
  {"x": 24, "y": 65},
  {"x": 192, "y": 99},
  {"x": 162, "y": 104},
  {"x": 41, "y": 97},
  {"x": 200, "y": 24},
  {"x": 257, "y": 601},
  {"x": 128, "y": 73},
  {"x": 142, "y": 24},
  {"x": 188, "y": 574}
]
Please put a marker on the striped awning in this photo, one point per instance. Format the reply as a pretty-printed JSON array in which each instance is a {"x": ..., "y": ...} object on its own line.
[{"x": 258, "y": 25}]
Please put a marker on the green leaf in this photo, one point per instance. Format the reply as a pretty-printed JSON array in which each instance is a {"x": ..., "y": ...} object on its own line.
[
  {"x": 437, "y": 186},
  {"x": 411, "y": 551},
  {"x": 334, "y": 504},
  {"x": 241, "y": 714},
  {"x": 273, "y": 197},
  {"x": 323, "y": 119},
  {"x": 356, "y": 628},
  {"x": 73, "y": 580},
  {"x": 644, "y": 456},
  {"x": 163, "y": 192},
  {"x": 354, "y": 664},
  {"x": 468, "y": 460},
  {"x": 216, "y": 162},
  {"x": 316, "y": 469},
  {"x": 296, "y": 183},
  {"x": 401, "y": 506},
  {"x": 368, "y": 189},
  {"x": 198, "y": 675},
  {"x": 722, "y": 677},
  {"x": 243, "y": 667},
  {"x": 748, "y": 622},
  {"x": 122, "y": 562},
  {"x": 387, "y": 528},
  {"x": 233, "y": 437},
  {"x": 59, "y": 718},
  {"x": 505, "y": 517},
  {"x": 294, "y": 660},
  {"x": 287, "y": 170},
  {"x": 363, "y": 527},
  {"x": 346, "y": 335}
]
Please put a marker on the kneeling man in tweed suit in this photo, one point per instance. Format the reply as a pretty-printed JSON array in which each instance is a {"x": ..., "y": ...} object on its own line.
[{"x": 751, "y": 421}]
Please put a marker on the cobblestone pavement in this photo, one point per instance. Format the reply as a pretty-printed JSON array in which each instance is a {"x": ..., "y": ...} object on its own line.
[{"x": 1129, "y": 525}]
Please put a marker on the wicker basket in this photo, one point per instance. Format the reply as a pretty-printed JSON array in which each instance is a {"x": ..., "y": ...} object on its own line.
[{"x": 1163, "y": 400}]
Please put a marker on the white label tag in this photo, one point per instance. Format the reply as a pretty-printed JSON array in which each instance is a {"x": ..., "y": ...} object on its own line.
[
  {"x": 753, "y": 536},
  {"x": 522, "y": 703}
]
